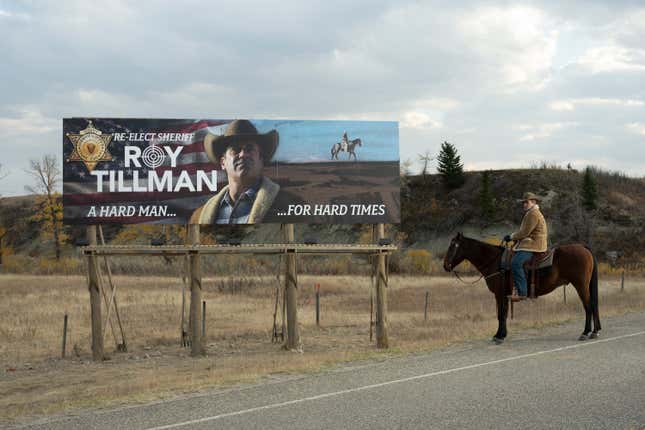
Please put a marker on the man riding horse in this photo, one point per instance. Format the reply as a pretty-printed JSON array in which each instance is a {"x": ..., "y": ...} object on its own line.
[
  {"x": 345, "y": 145},
  {"x": 572, "y": 264},
  {"x": 529, "y": 239},
  {"x": 344, "y": 142}
]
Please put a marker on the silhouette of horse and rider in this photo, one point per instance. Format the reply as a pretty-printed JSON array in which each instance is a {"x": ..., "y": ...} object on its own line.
[{"x": 345, "y": 145}]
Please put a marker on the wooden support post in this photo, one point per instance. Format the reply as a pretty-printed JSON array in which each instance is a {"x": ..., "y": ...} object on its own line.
[
  {"x": 622, "y": 281},
  {"x": 183, "y": 329},
  {"x": 371, "y": 316},
  {"x": 318, "y": 304},
  {"x": 95, "y": 297},
  {"x": 564, "y": 293},
  {"x": 425, "y": 309},
  {"x": 204, "y": 319},
  {"x": 120, "y": 346},
  {"x": 195, "y": 293},
  {"x": 64, "y": 336},
  {"x": 291, "y": 286},
  {"x": 381, "y": 295}
]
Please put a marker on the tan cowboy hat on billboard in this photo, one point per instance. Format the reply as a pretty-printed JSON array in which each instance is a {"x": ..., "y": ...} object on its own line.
[
  {"x": 529, "y": 196},
  {"x": 240, "y": 130}
]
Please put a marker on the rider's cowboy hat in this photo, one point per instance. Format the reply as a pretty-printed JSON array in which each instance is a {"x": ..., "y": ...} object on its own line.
[
  {"x": 529, "y": 196},
  {"x": 240, "y": 130}
]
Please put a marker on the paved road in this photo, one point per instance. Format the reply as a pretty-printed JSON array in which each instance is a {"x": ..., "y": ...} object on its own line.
[{"x": 537, "y": 380}]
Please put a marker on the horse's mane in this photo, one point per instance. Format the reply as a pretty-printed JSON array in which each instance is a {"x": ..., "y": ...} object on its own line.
[{"x": 482, "y": 243}]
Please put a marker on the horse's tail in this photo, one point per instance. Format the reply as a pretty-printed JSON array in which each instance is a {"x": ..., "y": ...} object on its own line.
[{"x": 593, "y": 290}]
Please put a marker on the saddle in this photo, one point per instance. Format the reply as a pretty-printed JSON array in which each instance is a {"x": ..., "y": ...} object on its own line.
[{"x": 540, "y": 260}]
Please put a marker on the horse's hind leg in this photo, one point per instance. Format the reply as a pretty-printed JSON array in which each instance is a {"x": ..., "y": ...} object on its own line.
[
  {"x": 596, "y": 321},
  {"x": 593, "y": 292},
  {"x": 586, "y": 303},
  {"x": 588, "y": 315}
]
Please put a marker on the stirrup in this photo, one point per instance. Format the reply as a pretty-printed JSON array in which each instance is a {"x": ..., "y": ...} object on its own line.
[{"x": 516, "y": 297}]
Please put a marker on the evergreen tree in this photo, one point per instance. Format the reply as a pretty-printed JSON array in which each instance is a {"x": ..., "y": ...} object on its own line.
[
  {"x": 589, "y": 192},
  {"x": 450, "y": 166},
  {"x": 486, "y": 199}
]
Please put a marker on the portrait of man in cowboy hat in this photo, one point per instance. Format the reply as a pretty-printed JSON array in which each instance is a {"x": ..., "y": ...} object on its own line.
[
  {"x": 530, "y": 238},
  {"x": 242, "y": 152}
]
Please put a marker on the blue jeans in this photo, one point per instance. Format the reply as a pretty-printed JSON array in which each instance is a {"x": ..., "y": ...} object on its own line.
[{"x": 519, "y": 277}]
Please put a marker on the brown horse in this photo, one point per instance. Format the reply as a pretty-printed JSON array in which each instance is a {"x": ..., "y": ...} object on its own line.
[{"x": 573, "y": 264}]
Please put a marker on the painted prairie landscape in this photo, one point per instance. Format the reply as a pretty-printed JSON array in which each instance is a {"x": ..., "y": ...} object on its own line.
[{"x": 341, "y": 183}]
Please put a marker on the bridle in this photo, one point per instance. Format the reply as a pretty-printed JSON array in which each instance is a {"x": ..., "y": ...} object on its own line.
[
  {"x": 478, "y": 279},
  {"x": 482, "y": 276}
]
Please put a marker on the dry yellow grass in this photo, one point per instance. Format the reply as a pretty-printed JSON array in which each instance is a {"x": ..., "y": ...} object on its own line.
[{"x": 33, "y": 380}]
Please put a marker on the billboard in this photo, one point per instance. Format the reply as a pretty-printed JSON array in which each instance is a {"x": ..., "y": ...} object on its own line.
[{"x": 239, "y": 171}]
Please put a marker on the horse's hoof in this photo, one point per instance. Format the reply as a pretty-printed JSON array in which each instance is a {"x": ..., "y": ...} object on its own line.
[
  {"x": 583, "y": 337},
  {"x": 498, "y": 340},
  {"x": 594, "y": 335}
]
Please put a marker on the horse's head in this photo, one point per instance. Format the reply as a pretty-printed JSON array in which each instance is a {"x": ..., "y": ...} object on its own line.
[{"x": 455, "y": 254}]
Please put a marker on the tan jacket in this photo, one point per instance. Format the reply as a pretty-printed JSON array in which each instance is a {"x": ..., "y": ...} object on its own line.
[
  {"x": 532, "y": 234},
  {"x": 207, "y": 214}
]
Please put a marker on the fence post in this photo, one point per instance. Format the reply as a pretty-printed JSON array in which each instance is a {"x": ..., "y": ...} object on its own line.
[
  {"x": 318, "y": 304},
  {"x": 371, "y": 316},
  {"x": 64, "y": 336},
  {"x": 564, "y": 292},
  {"x": 622, "y": 281},
  {"x": 425, "y": 311},
  {"x": 204, "y": 319}
]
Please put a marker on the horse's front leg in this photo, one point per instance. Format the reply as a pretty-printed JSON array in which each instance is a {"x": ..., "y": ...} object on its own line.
[{"x": 502, "y": 313}]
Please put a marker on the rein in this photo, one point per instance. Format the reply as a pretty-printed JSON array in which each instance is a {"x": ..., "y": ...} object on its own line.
[{"x": 478, "y": 279}]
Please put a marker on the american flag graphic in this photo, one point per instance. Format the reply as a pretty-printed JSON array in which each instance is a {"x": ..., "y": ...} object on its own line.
[{"x": 80, "y": 187}]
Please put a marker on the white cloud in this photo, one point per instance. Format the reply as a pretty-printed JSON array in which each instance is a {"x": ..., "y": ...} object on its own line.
[
  {"x": 12, "y": 15},
  {"x": 541, "y": 131},
  {"x": 438, "y": 103},
  {"x": 570, "y": 104},
  {"x": 613, "y": 58},
  {"x": 636, "y": 127},
  {"x": 562, "y": 105},
  {"x": 519, "y": 42},
  {"x": 27, "y": 121},
  {"x": 427, "y": 113},
  {"x": 414, "y": 119},
  {"x": 193, "y": 98}
]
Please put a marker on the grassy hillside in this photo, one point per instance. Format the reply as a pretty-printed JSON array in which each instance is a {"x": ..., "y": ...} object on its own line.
[{"x": 431, "y": 212}]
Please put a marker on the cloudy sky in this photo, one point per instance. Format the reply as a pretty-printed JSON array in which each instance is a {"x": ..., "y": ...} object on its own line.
[{"x": 510, "y": 85}]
